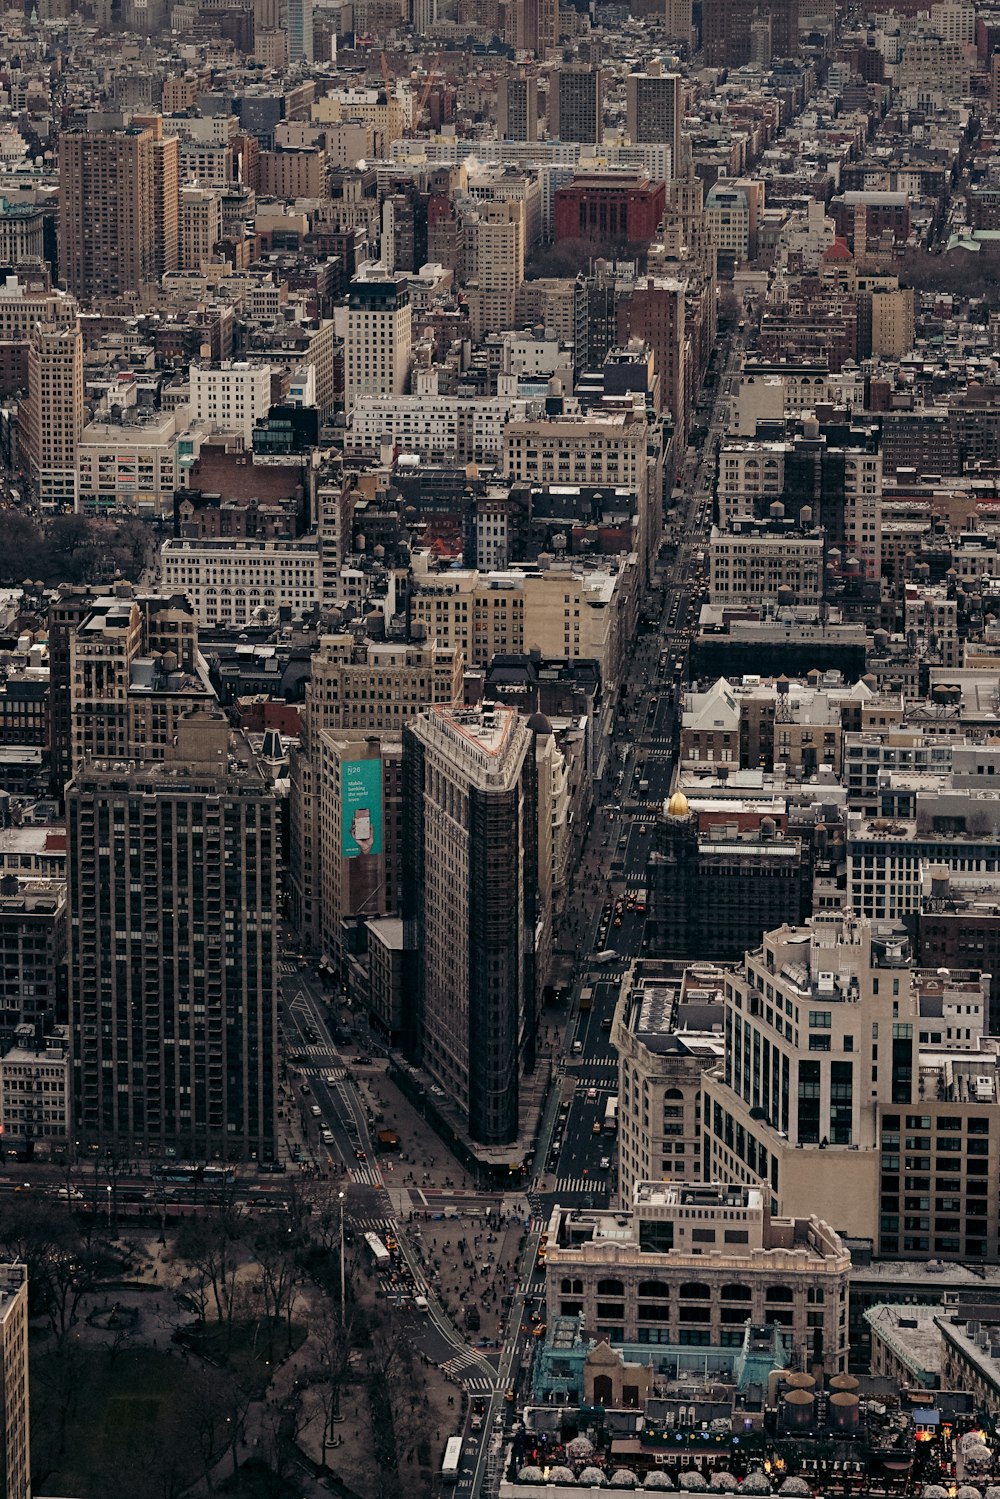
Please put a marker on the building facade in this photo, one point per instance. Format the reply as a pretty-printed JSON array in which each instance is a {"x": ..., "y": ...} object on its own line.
[
  {"x": 55, "y": 414},
  {"x": 228, "y": 582},
  {"x": 16, "y": 1457},
  {"x": 377, "y": 345},
  {"x": 654, "y": 110},
  {"x": 173, "y": 894},
  {"x": 470, "y": 878},
  {"x": 713, "y": 892},
  {"x": 692, "y": 1264}
]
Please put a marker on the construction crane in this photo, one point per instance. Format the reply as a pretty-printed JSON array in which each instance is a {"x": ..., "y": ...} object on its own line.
[{"x": 433, "y": 74}]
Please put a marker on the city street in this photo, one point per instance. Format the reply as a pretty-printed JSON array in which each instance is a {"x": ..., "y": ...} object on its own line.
[{"x": 338, "y": 1094}]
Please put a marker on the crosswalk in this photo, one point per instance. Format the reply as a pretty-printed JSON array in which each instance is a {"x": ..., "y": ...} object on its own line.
[
  {"x": 460, "y": 1368},
  {"x": 335, "y": 1072},
  {"x": 365, "y": 1174},
  {"x": 604, "y": 1079},
  {"x": 380, "y": 1226},
  {"x": 323, "y": 1049},
  {"x": 578, "y": 1184}
]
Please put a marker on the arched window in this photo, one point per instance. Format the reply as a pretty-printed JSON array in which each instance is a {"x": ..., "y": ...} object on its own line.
[
  {"x": 610, "y": 1288},
  {"x": 694, "y": 1290},
  {"x": 673, "y": 1093},
  {"x": 737, "y": 1293},
  {"x": 779, "y": 1293},
  {"x": 655, "y": 1289}
]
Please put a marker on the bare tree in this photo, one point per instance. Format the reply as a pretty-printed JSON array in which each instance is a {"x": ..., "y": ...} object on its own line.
[
  {"x": 211, "y": 1244},
  {"x": 276, "y": 1251},
  {"x": 332, "y": 1338}
]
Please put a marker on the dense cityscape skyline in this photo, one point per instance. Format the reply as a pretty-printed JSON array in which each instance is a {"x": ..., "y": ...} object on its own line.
[{"x": 499, "y": 741}]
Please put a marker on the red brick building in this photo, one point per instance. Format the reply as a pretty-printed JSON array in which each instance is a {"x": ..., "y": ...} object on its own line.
[{"x": 620, "y": 207}]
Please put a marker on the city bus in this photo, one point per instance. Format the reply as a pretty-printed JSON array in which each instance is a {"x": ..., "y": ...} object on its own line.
[
  {"x": 611, "y": 1116},
  {"x": 452, "y": 1459},
  {"x": 380, "y": 1255}
]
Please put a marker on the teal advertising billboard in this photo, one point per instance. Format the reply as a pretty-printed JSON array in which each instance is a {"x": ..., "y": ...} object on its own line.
[{"x": 360, "y": 807}]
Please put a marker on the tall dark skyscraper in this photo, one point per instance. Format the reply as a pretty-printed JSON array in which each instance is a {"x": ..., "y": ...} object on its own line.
[
  {"x": 470, "y": 876},
  {"x": 172, "y": 872}
]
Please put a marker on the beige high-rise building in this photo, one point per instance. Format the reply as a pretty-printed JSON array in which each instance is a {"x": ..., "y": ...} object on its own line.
[
  {"x": 378, "y": 684},
  {"x": 833, "y": 1012},
  {"x": 15, "y": 1462},
  {"x": 654, "y": 111},
  {"x": 358, "y": 783},
  {"x": 356, "y": 689},
  {"x": 678, "y": 21},
  {"x": 576, "y": 104},
  {"x": 26, "y": 301},
  {"x": 892, "y": 322},
  {"x": 135, "y": 672},
  {"x": 174, "y": 901},
  {"x": 569, "y": 611},
  {"x": 377, "y": 348},
  {"x": 55, "y": 413},
  {"x": 617, "y": 448},
  {"x": 166, "y": 186},
  {"x": 108, "y": 201},
  {"x": 494, "y": 263},
  {"x": 201, "y": 226},
  {"x": 517, "y": 108}
]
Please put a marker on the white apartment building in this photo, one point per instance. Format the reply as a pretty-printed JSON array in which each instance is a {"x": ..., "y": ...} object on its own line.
[
  {"x": 439, "y": 428},
  {"x": 228, "y": 582},
  {"x": 378, "y": 340},
  {"x": 231, "y": 396},
  {"x": 35, "y": 1095},
  {"x": 754, "y": 562},
  {"x": 132, "y": 464}
]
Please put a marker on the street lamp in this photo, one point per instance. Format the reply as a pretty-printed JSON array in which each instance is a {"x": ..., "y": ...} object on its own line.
[
  {"x": 109, "y": 1207},
  {"x": 343, "y": 1307}
]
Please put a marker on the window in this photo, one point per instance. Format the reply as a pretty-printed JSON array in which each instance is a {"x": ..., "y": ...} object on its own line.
[{"x": 820, "y": 1019}]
